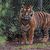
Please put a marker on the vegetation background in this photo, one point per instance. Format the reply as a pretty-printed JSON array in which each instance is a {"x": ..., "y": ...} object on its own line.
[{"x": 9, "y": 15}]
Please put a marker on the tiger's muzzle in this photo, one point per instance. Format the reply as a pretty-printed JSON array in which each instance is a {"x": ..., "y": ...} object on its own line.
[{"x": 26, "y": 19}]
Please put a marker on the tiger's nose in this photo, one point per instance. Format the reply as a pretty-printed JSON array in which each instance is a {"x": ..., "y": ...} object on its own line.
[
  {"x": 26, "y": 13},
  {"x": 26, "y": 17}
]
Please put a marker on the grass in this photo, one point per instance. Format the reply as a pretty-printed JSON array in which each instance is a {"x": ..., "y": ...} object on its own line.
[
  {"x": 36, "y": 45},
  {"x": 24, "y": 47},
  {"x": 2, "y": 39}
]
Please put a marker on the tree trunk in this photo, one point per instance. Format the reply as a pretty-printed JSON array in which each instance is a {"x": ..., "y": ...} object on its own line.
[
  {"x": 16, "y": 6},
  {"x": 40, "y": 4}
]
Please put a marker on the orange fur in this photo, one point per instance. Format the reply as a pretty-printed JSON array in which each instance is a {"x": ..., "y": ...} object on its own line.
[{"x": 37, "y": 18}]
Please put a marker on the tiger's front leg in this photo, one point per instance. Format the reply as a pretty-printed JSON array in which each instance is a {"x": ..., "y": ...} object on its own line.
[
  {"x": 31, "y": 35},
  {"x": 23, "y": 38}
]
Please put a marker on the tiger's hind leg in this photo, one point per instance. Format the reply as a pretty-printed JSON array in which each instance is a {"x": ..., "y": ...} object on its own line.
[
  {"x": 46, "y": 36},
  {"x": 45, "y": 39}
]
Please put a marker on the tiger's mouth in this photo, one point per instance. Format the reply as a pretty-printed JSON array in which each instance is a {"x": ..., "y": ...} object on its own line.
[{"x": 26, "y": 20}]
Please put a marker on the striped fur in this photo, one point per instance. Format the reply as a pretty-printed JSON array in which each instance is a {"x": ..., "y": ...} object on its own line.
[
  {"x": 43, "y": 19},
  {"x": 31, "y": 21}
]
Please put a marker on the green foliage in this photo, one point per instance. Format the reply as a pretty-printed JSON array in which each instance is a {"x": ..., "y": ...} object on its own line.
[
  {"x": 46, "y": 5},
  {"x": 4, "y": 7},
  {"x": 2, "y": 39},
  {"x": 9, "y": 13},
  {"x": 2, "y": 26}
]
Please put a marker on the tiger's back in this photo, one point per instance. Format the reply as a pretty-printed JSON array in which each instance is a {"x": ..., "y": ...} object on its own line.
[{"x": 42, "y": 19}]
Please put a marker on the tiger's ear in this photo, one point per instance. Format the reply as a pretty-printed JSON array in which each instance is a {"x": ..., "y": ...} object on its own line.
[
  {"x": 22, "y": 6},
  {"x": 31, "y": 7}
]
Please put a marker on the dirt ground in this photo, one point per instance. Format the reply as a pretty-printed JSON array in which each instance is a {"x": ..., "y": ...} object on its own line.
[{"x": 14, "y": 45}]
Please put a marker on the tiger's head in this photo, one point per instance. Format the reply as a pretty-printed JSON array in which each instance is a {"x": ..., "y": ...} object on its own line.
[{"x": 26, "y": 13}]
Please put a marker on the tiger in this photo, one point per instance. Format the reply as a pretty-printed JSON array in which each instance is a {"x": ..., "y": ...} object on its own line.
[{"x": 30, "y": 20}]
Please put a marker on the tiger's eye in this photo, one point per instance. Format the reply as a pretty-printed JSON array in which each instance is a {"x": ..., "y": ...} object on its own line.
[
  {"x": 24, "y": 9},
  {"x": 29, "y": 9},
  {"x": 22, "y": 14}
]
